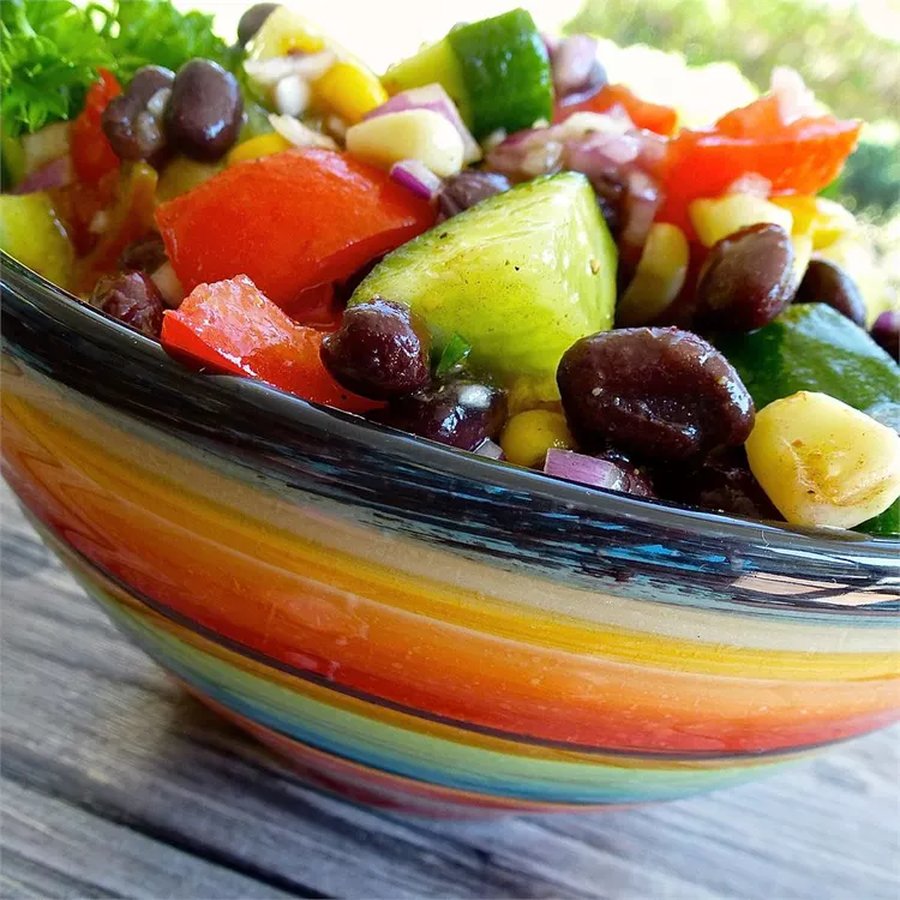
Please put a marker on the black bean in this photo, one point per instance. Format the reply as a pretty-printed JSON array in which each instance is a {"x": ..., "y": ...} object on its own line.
[
  {"x": 722, "y": 482},
  {"x": 468, "y": 188},
  {"x": 886, "y": 332},
  {"x": 747, "y": 280},
  {"x": 146, "y": 254},
  {"x": 825, "y": 282},
  {"x": 133, "y": 298},
  {"x": 460, "y": 412},
  {"x": 132, "y": 122},
  {"x": 610, "y": 194},
  {"x": 252, "y": 20},
  {"x": 656, "y": 393},
  {"x": 203, "y": 117},
  {"x": 379, "y": 351}
]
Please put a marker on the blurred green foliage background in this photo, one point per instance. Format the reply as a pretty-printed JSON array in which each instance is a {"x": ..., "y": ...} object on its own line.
[{"x": 851, "y": 68}]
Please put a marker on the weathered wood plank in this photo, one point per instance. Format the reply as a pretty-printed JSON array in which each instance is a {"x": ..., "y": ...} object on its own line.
[
  {"x": 102, "y": 751},
  {"x": 55, "y": 849}
]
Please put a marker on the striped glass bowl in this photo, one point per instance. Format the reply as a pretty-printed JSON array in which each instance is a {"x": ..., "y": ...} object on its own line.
[{"x": 419, "y": 628}]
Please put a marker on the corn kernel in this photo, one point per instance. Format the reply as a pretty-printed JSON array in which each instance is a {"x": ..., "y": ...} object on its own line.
[
  {"x": 714, "y": 219},
  {"x": 350, "y": 90},
  {"x": 802, "y": 208},
  {"x": 822, "y": 462},
  {"x": 529, "y": 435},
  {"x": 527, "y": 393},
  {"x": 824, "y": 220},
  {"x": 658, "y": 278},
  {"x": 261, "y": 145},
  {"x": 413, "y": 134}
]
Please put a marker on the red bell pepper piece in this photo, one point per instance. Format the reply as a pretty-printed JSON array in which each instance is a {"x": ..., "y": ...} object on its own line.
[
  {"x": 798, "y": 157},
  {"x": 92, "y": 155},
  {"x": 757, "y": 119},
  {"x": 290, "y": 221},
  {"x": 317, "y": 307},
  {"x": 649, "y": 116},
  {"x": 233, "y": 328}
]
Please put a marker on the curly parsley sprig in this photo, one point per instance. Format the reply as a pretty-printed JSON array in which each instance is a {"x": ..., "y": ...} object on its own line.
[{"x": 50, "y": 51}]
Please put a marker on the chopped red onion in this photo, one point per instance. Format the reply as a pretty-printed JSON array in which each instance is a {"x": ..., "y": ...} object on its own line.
[
  {"x": 584, "y": 469},
  {"x": 168, "y": 285},
  {"x": 42, "y": 147},
  {"x": 489, "y": 449},
  {"x": 416, "y": 177},
  {"x": 435, "y": 98},
  {"x": 291, "y": 95},
  {"x": 596, "y": 472},
  {"x": 54, "y": 174},
  {"x": 585, "y": 142},
  {"x": 298, "y": 134},
  {"x": 642, "y": 200},
  {"x": 622, "y": 158},
  {"x": 576, "y": 69},
  {"x": 599, "y": 154},
  {"x": 618, "y": 159},
  {"x": 309, "y": 66}
]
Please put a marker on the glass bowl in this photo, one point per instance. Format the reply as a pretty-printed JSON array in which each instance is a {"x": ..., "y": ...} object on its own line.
[{"x": 417, "y": 627}]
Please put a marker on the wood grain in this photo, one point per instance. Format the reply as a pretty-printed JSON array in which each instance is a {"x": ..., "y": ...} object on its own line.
[{"x": 116, "y": 784}]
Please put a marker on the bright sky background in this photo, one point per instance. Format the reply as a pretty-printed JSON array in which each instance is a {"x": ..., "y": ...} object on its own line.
[{"x": 381, "y": 31}]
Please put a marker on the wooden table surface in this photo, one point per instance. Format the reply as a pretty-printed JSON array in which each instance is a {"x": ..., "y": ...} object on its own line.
[{"x": 114, "y": 783}]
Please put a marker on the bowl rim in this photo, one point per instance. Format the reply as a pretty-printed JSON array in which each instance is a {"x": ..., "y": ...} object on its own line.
[{"x": 84, "y": 318}]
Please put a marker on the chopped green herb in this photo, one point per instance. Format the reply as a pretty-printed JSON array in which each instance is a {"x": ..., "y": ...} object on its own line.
[{"x": 453, "y": 355}]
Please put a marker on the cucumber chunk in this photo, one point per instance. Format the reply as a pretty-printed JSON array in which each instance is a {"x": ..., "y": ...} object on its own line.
[
  {"x": 519, "y": 277},
  {"x": 496, "y": 71},
  {"x": 31, "y": 232},
  {"x": 506, "y": 72},
  {"x": 886, "y": 525},
  {"x": 812, "y": 347}
]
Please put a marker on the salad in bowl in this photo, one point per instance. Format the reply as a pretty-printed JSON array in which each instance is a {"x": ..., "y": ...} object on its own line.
[
  {"x": 490, "y": 246},
  {"x": 478, "y": 436}
]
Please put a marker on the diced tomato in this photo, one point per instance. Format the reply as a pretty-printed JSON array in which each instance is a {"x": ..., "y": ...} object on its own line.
[
  {"x": 649, "y": 116},
  {"x": 92, "y": 155},
  {"x": 233, "y": 328},
  {"x": 800, "y": 157},
  {"x": 289, "y": 221}
]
